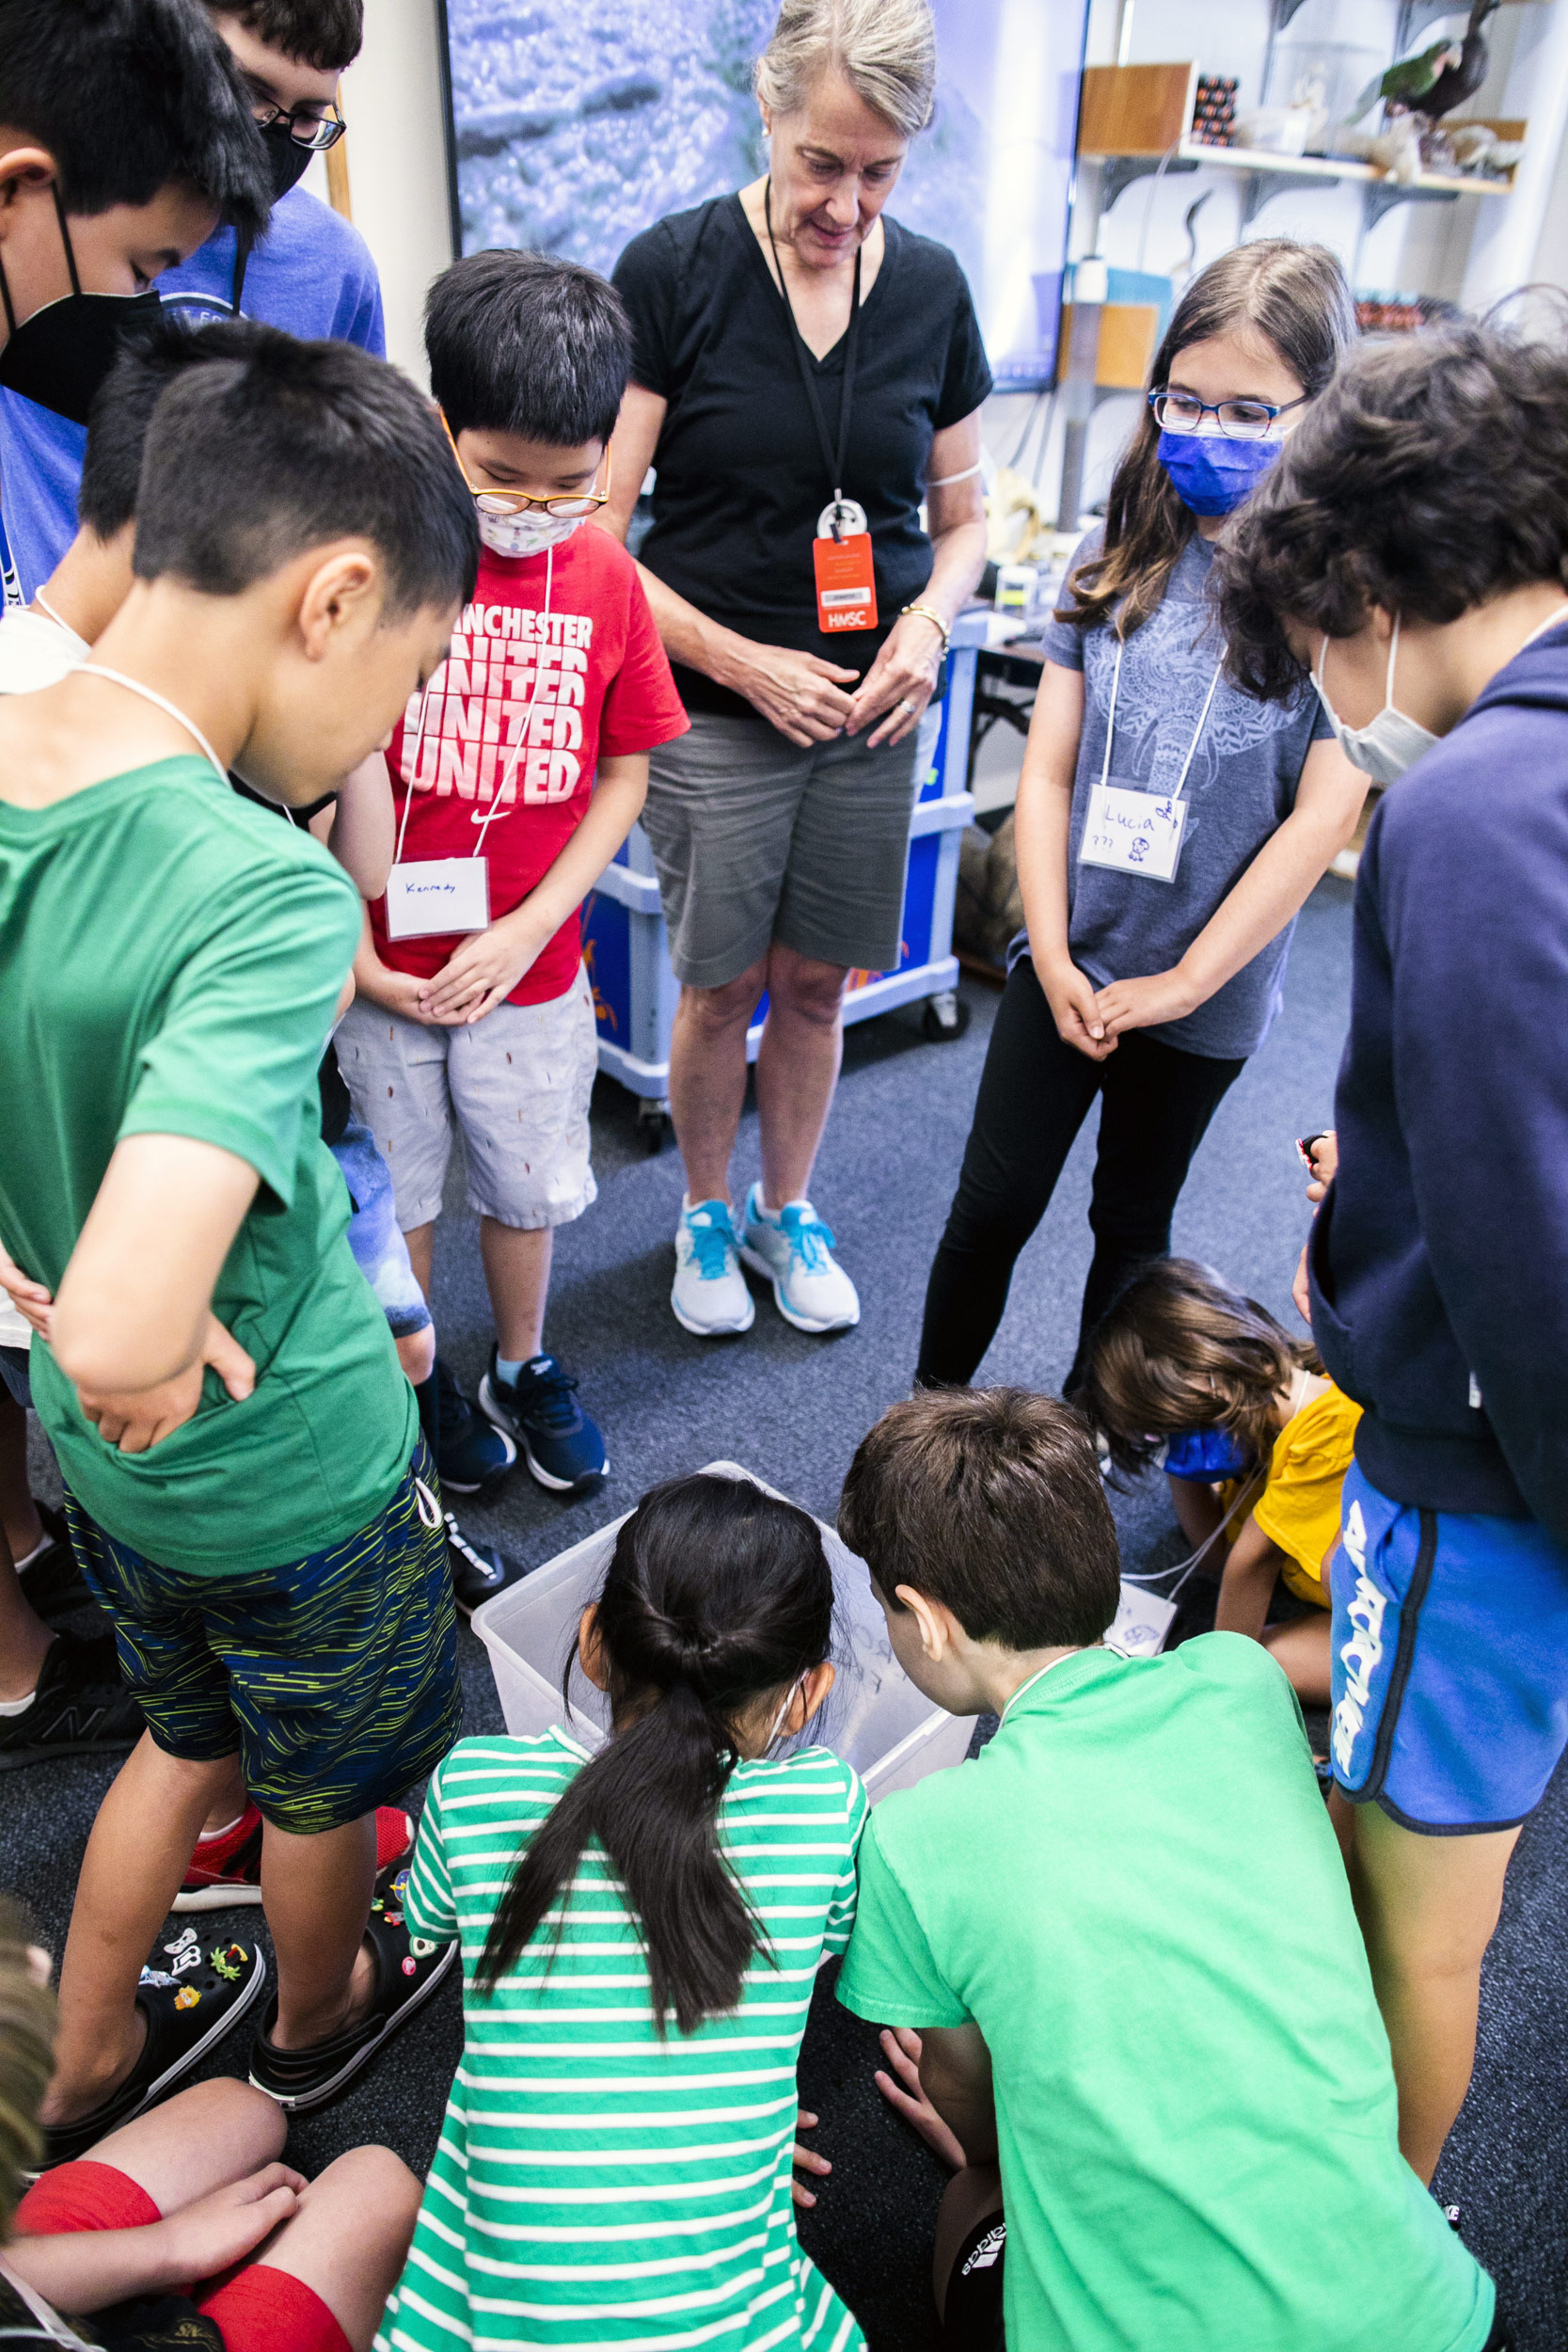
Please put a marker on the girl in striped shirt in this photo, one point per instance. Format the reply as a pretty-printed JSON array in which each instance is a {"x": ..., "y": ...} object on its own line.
[{"x": 641, "y": 1933}]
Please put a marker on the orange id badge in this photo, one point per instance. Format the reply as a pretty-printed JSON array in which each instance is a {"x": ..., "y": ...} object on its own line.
[{"x": 846, "y": 584}]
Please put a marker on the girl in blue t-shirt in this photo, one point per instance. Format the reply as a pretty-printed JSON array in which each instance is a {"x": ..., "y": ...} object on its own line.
[{"x": 1168, "y": 825}]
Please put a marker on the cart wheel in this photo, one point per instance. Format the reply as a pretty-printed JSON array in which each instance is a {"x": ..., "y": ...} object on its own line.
[
  {"x": 653, "y": 1124},
  {"x": 944, "y": 1018}
]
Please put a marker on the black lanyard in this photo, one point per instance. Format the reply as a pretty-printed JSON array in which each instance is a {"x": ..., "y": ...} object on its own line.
[{"x": 808, "y": 374}]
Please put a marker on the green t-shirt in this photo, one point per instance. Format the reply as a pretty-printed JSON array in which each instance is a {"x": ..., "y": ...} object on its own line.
[
  {"x": 171, "y": 959},
  {"x": 1135, "y": 1892}
]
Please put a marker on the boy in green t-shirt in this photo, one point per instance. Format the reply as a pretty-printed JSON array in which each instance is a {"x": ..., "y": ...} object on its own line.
[
  {"x": 1149, "y": 2019},
  {"x": 171, "y": 959}
]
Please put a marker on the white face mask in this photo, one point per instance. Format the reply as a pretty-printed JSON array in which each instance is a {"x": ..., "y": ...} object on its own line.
[
  {"x": 1390, "y": 743},
  {"x": 785, "y": 1709},
  {"x": 526, "y": 533}
]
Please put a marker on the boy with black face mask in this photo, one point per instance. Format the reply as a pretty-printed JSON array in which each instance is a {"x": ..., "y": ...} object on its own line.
[
  {"x": 310, "y": 273},
  {"x": 125, "y": 139}
]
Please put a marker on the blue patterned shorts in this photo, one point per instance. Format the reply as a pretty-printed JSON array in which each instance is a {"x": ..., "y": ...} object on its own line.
[{"x": 335, "y": 1675}]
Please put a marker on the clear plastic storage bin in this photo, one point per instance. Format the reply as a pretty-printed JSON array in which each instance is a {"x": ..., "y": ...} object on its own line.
[{"x": 874, "y": 1718}]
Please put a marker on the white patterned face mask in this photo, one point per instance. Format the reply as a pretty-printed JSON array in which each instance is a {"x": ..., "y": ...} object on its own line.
[{"x": 526, "y": 533}]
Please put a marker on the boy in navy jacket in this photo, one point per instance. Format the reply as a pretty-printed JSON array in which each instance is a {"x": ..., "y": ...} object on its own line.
[{"x": 1424, "y": 590}]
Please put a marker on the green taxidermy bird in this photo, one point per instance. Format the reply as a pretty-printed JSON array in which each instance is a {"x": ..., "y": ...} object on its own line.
[{"x": 1440, "y": 79}]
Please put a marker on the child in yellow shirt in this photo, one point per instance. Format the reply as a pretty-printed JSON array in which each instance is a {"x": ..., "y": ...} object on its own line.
[{"x": 1186, "y": 1371}]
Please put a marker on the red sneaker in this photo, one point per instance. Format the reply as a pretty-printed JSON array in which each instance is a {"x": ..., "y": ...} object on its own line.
[{"x": 226, "y": 1872}]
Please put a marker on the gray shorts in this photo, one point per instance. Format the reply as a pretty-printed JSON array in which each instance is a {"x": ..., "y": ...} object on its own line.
[
  {"x": 756, "y": 840},
  {"x": 518, "y": 1083}
]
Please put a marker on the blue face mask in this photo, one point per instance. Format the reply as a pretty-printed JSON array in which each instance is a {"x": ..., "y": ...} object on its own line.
[
  {"x": 1212, "y": 473},
  {"x": 1202, "y": 1455}
]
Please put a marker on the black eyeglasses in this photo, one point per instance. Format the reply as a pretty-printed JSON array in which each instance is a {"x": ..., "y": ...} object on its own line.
[
  {"x": 318, "y": 132},
  {"x": 1241, "y": 419}
]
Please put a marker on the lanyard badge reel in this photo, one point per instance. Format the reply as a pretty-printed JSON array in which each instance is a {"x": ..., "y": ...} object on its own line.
[
  {"x": 431, "y": 898},
  {"x": 841, "y": 552},
  {"x": 1128, "y": 828}
]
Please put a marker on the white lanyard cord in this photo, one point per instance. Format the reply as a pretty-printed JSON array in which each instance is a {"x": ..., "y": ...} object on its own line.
[
  {"x": 1243, "y": 1494},
  {"x": 518, "y": 750},
  {"x": 1197, "y": 733},
  {"x": 38, "y": 597},
  {"x": 151, "y": 694}
]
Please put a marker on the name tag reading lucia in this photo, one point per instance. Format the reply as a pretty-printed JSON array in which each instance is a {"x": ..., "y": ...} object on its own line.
[
  {"x": 1136, "y": 832},
  {"x": 430, "y": 895},
  {"x": 1126, "y": 826}
]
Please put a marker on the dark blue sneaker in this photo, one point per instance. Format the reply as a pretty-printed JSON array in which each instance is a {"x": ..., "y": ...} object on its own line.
[
  {"x": 470, "y": 1454},
  {"x": 561, "y": 1445}
]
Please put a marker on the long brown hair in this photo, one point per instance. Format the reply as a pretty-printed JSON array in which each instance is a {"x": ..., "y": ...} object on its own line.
[
  {"x": 1293, "y": 295},
  {"x": 1179, "y": 1349}
]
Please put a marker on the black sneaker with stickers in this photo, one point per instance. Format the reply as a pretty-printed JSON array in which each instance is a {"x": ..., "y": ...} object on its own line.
[{"x": 191, "y": 1996}]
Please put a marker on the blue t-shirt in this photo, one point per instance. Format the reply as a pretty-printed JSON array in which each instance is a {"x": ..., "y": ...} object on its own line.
[
  {"x": 312, "y": 274},
  {"x": 1241, "y": 787}
]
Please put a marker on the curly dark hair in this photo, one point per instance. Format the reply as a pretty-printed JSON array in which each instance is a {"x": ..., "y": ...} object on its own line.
[
  {"x": 1293, "y": 295},
  {"x": 1432, "y": 475}
]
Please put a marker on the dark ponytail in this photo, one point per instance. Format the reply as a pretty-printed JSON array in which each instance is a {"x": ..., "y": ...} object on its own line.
[{"x": 717, "y": 1596}]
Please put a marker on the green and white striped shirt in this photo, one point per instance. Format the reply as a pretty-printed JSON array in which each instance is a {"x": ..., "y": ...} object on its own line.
[{"x": 595, "y": 2186}]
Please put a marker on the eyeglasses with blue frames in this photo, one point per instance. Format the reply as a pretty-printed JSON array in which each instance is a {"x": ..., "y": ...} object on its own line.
[
  {"x": 306, "y": 127},
  {"x": 1240, "y": 420}
]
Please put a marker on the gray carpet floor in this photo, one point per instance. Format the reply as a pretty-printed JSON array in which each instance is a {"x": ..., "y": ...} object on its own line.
[{"x": 792, "y": 1408}]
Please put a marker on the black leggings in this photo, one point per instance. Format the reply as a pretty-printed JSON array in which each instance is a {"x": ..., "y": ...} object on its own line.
[{"x": 1035, "y": 1094}]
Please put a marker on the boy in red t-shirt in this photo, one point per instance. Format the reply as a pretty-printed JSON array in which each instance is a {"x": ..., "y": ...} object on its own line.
[{"x": 516, "y": 778}]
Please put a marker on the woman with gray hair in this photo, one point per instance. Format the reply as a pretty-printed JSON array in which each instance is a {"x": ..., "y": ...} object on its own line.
[{"x": 807, "y": 374}]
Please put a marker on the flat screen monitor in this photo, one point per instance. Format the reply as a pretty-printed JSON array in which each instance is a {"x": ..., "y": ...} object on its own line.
[{"x": 575, "y": 123}]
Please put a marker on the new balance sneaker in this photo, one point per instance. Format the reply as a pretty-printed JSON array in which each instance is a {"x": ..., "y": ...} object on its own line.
[
  {"x": 190, "y": 2002},
  {"x": 226, "y": 1871},
  {"x": 470, "y": 1453},
  {"x": 52, "y": 1582},
  {"x": 561, "y": 1444},
  {"x": 407, "y": 1971},
  {"x": 479, "y": 1572},
  {"x": 80, "y": 1707},
  {"x": 795, "y": 1250},
  {"x": 710, "y": 1295}
]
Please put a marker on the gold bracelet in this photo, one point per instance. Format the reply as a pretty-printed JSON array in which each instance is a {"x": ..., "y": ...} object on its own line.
[{"x": 928, "y": 612}]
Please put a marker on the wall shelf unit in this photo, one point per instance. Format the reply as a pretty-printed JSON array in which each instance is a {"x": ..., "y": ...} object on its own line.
[{"x": 1134, "y": 125}]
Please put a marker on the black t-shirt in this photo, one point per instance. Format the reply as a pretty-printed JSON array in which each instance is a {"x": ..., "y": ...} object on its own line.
[{"x": 740, "y": 478}]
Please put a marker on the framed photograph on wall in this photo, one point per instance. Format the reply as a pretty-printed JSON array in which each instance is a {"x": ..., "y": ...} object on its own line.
[{"x": 577, "y": 123}]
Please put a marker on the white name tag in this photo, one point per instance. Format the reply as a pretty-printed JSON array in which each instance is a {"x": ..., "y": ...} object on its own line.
[
  {"x": 1134, "y": 832},
  {"x": 1142, "y": 1621},
  {"x": 437, "y": 894}
]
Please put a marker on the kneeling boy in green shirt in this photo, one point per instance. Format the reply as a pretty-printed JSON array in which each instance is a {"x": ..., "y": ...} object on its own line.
[
  {"x": 267, "y": 1543},
  {"x": 1125, "y": 1931}
]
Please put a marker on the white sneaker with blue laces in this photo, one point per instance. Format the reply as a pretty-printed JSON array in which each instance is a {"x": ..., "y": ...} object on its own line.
[
  {"x": 710, "y": 1297},
  {"x": 795, "y": 1250}
]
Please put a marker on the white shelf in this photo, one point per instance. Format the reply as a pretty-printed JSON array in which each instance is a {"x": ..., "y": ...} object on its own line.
[{"x": 1334, "y": 167}]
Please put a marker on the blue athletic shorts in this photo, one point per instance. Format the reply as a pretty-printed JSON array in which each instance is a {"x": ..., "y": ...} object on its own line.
[
  {"x": 1450, "y": 1662},
  {"x": 375, "y": 1235}
]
